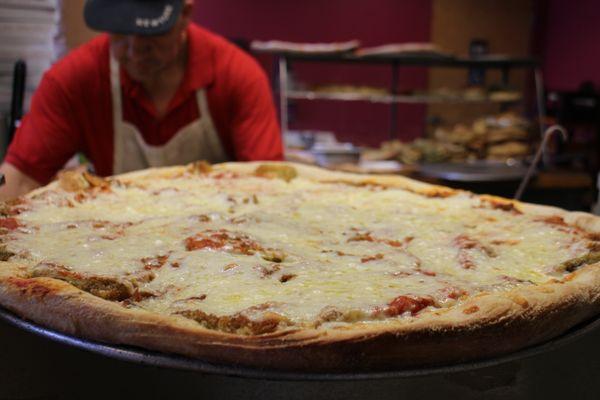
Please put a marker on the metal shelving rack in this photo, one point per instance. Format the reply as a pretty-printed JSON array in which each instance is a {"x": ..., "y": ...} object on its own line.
[{"x": 393, "y": 99}]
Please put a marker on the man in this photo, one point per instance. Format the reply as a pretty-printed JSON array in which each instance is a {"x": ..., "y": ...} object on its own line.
[{"x": 156, "y": 90}]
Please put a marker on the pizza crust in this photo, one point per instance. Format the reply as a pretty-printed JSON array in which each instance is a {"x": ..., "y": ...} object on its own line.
[{"x": 482, "y": 326}]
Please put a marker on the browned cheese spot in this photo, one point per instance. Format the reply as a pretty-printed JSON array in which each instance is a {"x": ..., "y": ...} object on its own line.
[{"x": 471, "y": 310}]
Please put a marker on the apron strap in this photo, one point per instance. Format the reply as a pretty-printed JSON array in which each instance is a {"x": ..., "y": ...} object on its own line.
[
  {"x": 115, "y": 85},
  {"x": 213, "y": 140},
  {"x": 203, "y": 106},
  {"x": 117, "y": 115}
]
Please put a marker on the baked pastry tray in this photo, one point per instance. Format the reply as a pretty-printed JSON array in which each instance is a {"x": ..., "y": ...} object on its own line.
[{"x": 163, "y": 360}]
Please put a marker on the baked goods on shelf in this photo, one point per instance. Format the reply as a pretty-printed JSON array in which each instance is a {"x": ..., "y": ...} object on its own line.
[
  {"x": 499, "y": 138},
  {"x": 279, "y": 46},
  {"x": 404, "y": 49},
  {"x": 352, "y": 89}
]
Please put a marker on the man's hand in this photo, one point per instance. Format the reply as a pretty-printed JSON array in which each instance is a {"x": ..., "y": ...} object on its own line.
[{"x": 17, "y": 183}]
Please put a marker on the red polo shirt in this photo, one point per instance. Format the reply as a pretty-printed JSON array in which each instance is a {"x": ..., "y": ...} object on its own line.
[{"x": 71, "y": 110}]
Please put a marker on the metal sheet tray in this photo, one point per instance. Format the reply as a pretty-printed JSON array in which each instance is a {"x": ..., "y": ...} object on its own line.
[
  {"x": 151, "y": 358},
  {"x": 479, "y": 171}
]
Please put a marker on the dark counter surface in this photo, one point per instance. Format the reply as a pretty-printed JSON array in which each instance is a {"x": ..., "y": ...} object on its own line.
[{"x": 32, "y": 367}]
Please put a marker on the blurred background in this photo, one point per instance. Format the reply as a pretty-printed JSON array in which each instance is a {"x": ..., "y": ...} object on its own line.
[{"x": 465, "y": 106}]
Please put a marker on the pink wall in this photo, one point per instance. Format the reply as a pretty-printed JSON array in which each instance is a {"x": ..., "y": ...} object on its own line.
[
  {"x": 571, "y": 48},
  {"x": 372, "y": 22}
]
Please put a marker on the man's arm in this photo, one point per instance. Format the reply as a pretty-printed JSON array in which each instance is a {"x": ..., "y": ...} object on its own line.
[
  {"x": 17, "y": 183},
  {"x": 45, "y": 140}
]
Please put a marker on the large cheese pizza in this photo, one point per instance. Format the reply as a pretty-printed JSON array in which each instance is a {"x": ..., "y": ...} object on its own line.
[{"x": 291, "y": 267}]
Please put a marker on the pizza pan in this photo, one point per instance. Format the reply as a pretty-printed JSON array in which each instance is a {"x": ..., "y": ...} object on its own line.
[
  {"x": 150, "y": 358},
  {"x": 477, "y": 171}
]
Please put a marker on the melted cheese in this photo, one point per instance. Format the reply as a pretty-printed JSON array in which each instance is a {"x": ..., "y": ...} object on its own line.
[{"x": 408, "y": 244}]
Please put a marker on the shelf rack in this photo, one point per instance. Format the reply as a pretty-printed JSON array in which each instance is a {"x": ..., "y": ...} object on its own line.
[
  {"x": 504, "y": 64},
  {"x": 385, "y": 98}
]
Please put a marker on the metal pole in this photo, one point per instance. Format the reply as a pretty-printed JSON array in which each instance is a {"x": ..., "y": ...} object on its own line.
[
  {"x": 283, "y": 93},
  {"x": 505, "y": 76},
  {"x": 505, "y": 81},
  {"x": 18, "y": 98},
  {"x": 394, "y": 105}
]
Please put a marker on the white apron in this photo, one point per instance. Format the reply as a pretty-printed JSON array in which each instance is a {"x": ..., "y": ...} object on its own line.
[{"x": 198, "y": 140}]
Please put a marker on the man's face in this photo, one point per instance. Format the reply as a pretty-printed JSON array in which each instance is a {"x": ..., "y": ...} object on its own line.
[{"x": 143, "y": 57}]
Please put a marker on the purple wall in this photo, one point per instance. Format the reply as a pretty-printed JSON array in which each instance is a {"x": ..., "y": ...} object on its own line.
[
  {"x": 372, "y": 22},
  {"x": 571, "y": 44}
]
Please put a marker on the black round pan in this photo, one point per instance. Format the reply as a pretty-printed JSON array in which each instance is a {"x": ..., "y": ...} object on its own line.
[{"x": 150, "y": 358}]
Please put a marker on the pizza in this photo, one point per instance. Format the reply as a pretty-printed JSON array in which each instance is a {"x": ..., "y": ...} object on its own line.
[{"x": 297, "y": 268}]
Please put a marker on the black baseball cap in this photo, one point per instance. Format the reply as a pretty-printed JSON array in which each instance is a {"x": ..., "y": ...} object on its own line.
[{"x": 132, "y": 17}]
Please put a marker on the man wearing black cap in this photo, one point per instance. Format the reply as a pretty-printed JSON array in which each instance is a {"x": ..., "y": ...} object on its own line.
[{"x": 156, "y": 90}]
